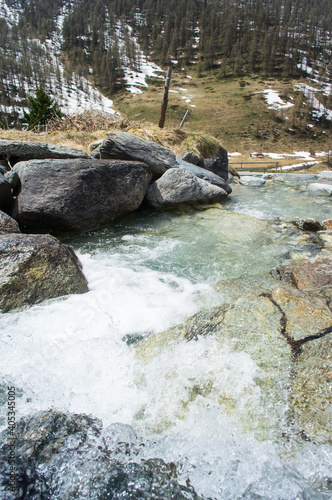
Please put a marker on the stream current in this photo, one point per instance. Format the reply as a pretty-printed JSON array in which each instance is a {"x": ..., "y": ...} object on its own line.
[{"x": 146, "y": 273}]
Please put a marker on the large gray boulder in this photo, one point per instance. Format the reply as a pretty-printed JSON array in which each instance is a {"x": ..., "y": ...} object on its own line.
[
  {"x": 125, "y": 146},
  {"x": 78, "y": 195},
  {"x": 252, "y": 181},
  {"x": 319, "y": 189},
  {"x": 6, "y": 195},
  {"x": 204, "y": 174},
  {"x": 326, "y": 174},
  {"x": 191, "y": 157},
  {"x": 7, "y": 224},
  {"x": 177, "y": 186},
  {"x": 13, "y": 179},
  {"x": 15, "y": 151},
  {"x": 36, "y": 267}
]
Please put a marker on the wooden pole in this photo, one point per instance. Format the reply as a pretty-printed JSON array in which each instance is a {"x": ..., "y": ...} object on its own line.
[
  {"x": 165, "y": 98},
  {"x": 185, "y": 118}
]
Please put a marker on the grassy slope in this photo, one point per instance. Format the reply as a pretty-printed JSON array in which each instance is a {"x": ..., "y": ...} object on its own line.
[{"x": 237, "y": 115}]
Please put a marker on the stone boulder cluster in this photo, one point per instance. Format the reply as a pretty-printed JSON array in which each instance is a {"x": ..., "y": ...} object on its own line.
[
  {"x": 55, "y": 190},
  {"x": 315, "y": 184}
]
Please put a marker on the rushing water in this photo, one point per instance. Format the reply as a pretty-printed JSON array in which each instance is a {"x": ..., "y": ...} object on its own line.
[{"x": 146, "y": 273}]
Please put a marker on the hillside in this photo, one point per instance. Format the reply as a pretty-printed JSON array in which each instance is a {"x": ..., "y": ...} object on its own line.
[{"x": 255, "y": 74}]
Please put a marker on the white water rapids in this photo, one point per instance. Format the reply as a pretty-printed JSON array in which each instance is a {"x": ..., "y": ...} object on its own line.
[{"x": 146, "y": 273}]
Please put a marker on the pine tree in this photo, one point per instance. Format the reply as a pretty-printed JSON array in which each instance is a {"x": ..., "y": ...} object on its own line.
[{"x": 43, "y": 109}]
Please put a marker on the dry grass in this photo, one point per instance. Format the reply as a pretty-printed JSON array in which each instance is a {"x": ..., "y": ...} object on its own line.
[
  {"x": 237, "y": 116},
  {"x": 82, "y": 130},
  {"x": 177, "y": 140}
]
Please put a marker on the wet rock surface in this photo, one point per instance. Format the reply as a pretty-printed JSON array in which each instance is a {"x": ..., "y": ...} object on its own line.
[
  {"x": 320, "y": 189},
  {"x": 286, "y": 331},
  {"x": 308, "y": 224},
  {"x": 63, "y": 455},
  {"x": 314, "y": 273},
  {"x": 77, "y": 195},
  {"x": 35, "y": 268},
  {"x": 327, "y": 224},
  {"x": 251, "y": 181},
  {"x": 311, "y": 395}
]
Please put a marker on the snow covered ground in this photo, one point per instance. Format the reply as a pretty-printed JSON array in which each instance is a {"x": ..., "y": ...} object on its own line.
[
  {"x": 323, "y": 87},
  {"x": 11, "y": 14},
  {"x": 305, "y": 155},
  {"x": 274, "y": 101},
  {"x": 73, "y": 93},
  {"x": 310, "y": 159},
  {"x": 136, "y": 78},
  {"x": 319, "y": 110}
]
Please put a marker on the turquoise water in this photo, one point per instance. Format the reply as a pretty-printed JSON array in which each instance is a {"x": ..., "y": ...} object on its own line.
[{"x": 279, "y": 200}]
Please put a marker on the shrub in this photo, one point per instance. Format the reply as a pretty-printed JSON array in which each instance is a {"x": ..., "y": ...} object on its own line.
[{"x": 43, "y": 109}]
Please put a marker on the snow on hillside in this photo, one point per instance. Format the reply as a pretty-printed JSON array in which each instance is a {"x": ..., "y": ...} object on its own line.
[
  {"x": 73, "y": 93},
  {"x": 76, "y": 94},
  {"x": 136, "y": 77},
  {"x": 275, "y": 102},
  {"x": 11, "y": 14},
  {"x": 305, "y": 155},
  {"x": 323, "y": 85},
  {"x": 273, "y": 99},
  {"x": 319, "y": 110}
]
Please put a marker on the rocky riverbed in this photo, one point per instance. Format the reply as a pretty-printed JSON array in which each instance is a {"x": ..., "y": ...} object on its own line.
[{"x": 202, "y": 350}]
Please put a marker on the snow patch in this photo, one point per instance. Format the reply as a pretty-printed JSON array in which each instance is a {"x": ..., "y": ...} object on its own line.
[
  {"x": 10, "y": 14},
  {"x": 274, "y": 101},
  {"x": 305, "y": 155},
  {"x": 135, "y": 77},
  {"x": 298, "y": 165},
  {"x": 319, "y": 110}
]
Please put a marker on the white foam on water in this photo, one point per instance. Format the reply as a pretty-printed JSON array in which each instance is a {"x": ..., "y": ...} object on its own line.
[
  {"x": 185, "y": 378},
  {"x": 197, "y": 402},
  {"x": 68, "y": 353},
  {"x": 221, "y": 462}
]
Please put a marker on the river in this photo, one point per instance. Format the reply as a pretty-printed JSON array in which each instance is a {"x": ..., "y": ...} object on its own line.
[{"x": 146, "y": 273}]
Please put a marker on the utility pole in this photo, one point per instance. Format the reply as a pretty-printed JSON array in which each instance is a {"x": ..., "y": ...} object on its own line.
[{"x": 165, "y": 98}]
